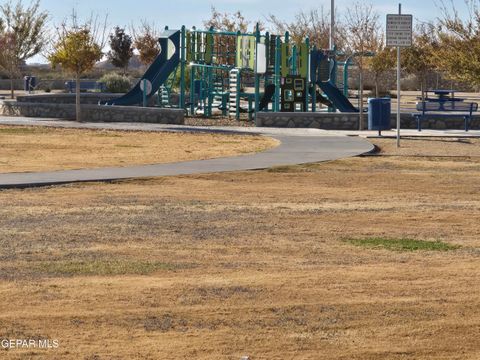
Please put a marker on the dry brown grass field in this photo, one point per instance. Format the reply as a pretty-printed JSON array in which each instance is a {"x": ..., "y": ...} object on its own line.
[
  {"x": 252, "y": 263},
  {"x": 43, "y": 149}
]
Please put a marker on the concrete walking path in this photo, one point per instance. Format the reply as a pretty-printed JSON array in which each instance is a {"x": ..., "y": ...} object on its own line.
[{"x": 298, "y": 146}]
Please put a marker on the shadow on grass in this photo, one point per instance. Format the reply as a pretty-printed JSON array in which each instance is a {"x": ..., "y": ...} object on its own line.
[
  {"x": 402, "y": 244},
  {"x": 310, "y": 167},
  {"x": 101, "y": 268},
  {"x": 21, "y": 130}
]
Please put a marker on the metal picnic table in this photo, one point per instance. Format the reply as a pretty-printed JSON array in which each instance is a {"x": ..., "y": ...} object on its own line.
[{"x": 442, "y": 97}]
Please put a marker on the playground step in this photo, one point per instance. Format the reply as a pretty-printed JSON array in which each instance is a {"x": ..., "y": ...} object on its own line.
[
  {"x": 164, "y": 96},
  {"x": 234, "y": 87}
]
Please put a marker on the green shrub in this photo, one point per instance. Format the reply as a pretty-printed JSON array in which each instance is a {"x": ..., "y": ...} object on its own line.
[{"x": 116, "y": 83}]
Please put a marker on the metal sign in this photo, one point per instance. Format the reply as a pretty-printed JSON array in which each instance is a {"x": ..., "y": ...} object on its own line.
[
  {"x": 146, "y": 83},
  {"x": 399, "y": 30}
]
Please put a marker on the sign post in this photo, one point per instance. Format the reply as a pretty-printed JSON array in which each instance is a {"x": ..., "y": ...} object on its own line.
[
  {"x": 332, "y": 25},
  {"x": 399, "y": 34}
]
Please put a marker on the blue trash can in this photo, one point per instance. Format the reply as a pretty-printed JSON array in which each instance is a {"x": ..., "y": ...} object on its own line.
[
  {"x": 379, "y": 113},
  {"x": 29, "y": 83},
  {"x": 33, "y": 83},
  {"x": 26, "y": 83}
]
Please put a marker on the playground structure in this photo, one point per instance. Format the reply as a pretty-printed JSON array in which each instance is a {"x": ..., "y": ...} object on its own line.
[{"x": 210, "y": 71}]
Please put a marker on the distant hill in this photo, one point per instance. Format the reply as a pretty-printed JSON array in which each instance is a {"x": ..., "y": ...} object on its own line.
[
  {"x": 134, "y": 64},
  {"x": 38, "y": 66}
]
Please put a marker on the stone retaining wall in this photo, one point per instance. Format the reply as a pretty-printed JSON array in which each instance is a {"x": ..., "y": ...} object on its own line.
[
  {"x": 18, "y": 84},
  {"x": 350, "y": 121},
  {"x": 94, "y": 113},
  {"x": 85, "y": 98}
]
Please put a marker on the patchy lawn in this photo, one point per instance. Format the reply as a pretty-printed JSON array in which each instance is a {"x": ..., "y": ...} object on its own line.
[
  {"x": 33, "y": 149},
  {"x": 250, "y": 263},
  {"x": 402, "y": 244}
]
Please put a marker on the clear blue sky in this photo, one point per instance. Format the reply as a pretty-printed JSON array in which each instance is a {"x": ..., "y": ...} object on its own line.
[
  {"x": 175, "y": 13},
  {"x": 191, "y": 12}
]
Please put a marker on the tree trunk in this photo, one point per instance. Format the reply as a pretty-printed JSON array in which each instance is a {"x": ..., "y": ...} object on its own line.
[
  {"x": 77, "y": 98},
  {"x": 360, "y": 107},
  {"x": 422, "y": 89},
  {"x": 377, "y": 92},
  {"x": 12, "y": 88}
]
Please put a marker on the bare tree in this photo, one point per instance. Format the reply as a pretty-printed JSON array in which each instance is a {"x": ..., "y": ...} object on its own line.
[
  {"x": 383, "y": 61},
  {"x": 146, "y": 42},
  {"x": 314, "y": 24},
  {"x": 225, "y": 46},
  {"x": 419, "y": 59},
  {"x": 227, "y": 21},
  {"x": 458, "y": 51},
  {"x": 77, "y": 48},
  {"x": 23, "y": 32},
  {"x": 362, "y": 36},
  {"x": 9, "y": 63}
]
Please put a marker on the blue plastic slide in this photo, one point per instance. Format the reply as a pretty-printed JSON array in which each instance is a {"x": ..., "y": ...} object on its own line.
[
  {"x": 336, "y": 97},
  {"x": 157, "y": 73},
  {"x": 320, "y": 73}
]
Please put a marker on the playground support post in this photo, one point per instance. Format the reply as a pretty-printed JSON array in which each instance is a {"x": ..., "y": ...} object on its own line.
[
  {"x": 314, "y": 84},
  {"x": 278, "y": 54},
  {"x": 294, "y": 60},
  {"x": 307, "y": 42},
  {"x": 257, "y": 76},
  {"x": 399, "y": 88},
  {"x": 192, "y": 90},
  {"x": 208, "y": 110},
  {"x": 144, "y": 92},
  {"x": 182, "y": 68}
]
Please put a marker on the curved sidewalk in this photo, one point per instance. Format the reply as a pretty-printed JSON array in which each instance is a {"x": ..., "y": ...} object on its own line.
[{"x": 298, "y": 146}]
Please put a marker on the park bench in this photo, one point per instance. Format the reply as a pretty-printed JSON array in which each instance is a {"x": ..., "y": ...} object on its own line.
[
  {"x": 71, "y": 86},
  {"x": 453, "y": 108}
]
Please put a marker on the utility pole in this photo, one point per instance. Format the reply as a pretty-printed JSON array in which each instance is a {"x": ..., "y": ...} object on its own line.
[
  {"x": 399, "y": 87},
  {"x": 332, "y": 25},
  {"x": 399, "y": 34}
]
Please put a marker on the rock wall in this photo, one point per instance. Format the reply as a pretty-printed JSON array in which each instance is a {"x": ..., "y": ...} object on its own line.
[
  {"x": 94, "y": 113},
  {"x": 58, "y": 84},
  {"x": 350, "y": 121},
  {"x": 327, "y": 121},
  {"x": 85, "y": 98}
]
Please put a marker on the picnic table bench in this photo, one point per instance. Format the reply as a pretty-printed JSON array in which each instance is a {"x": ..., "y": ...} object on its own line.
[
  {"x": 447, "y": 108},
  {"x": 71, "y": 86}
]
